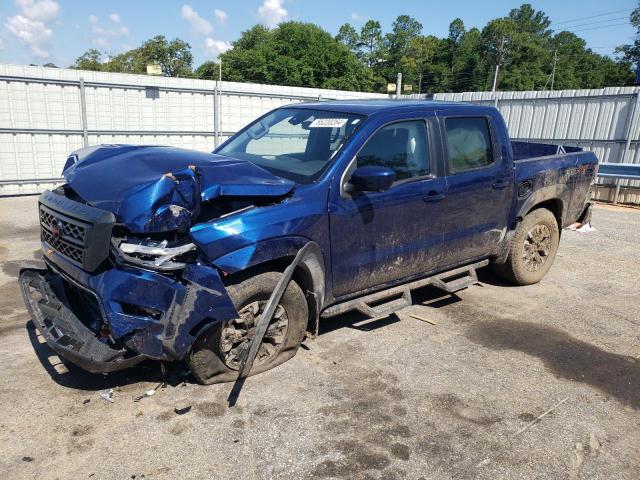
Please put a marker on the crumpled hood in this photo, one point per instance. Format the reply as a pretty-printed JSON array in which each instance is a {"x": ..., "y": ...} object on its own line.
[{"x": 154, "y": 189}]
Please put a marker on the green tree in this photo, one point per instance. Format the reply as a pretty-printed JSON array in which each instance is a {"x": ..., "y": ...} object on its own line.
[
  {"x": 174, "y": 57},
  {"x": 372, "y": 43},
  {"x": 497, "y": 41},
  {"x": 403, "y": 31},
  {"x": 417, "y": 65},
  {"x": 208, "y": 71},
  {"x": 348, "y": 36},
  {"x": 470, "y": 67},
  {"x": 631, "y": 52},
  {"x": 296, "y": 54},
  {"x": 89, "y": 60}
]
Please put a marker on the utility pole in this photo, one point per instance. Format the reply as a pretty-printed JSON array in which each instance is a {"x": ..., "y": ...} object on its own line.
[
  {"x": 553, "y": 71},
  {"x": 420, "y": 83},
  {"x": 498, "y": 62},
  {"x": 398, "y": 86}
]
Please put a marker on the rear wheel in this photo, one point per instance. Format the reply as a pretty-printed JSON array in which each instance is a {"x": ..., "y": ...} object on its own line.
[
  {"x": 532, "y": 249},
  {"x": 217, "y": 355}
]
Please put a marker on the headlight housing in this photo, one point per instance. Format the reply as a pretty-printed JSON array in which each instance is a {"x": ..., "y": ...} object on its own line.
[{"x": 155, "y": 255}]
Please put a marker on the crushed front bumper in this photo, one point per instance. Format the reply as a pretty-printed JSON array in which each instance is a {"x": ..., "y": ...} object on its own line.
[
  {"x": 63, "y": 331},
  {"x": 135, "y": 314}
]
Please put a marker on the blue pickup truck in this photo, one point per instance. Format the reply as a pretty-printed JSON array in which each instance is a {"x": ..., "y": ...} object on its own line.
[{"x": 310, "y": 211}]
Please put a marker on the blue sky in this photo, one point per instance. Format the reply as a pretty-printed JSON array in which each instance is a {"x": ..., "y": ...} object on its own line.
[{"x": 58, "y": 31}]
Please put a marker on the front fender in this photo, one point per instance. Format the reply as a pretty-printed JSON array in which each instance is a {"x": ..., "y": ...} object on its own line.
[{"x": 276, "y": 248}]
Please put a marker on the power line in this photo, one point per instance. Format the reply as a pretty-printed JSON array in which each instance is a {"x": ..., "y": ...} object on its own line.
[
  {"x": 593, "y": 16},
  {"x": 598, "y": 28},
  {"x": 598, "y": 22}
]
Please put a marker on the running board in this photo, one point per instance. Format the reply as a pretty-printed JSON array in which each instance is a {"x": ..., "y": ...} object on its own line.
[{"x": 384, "y": 303}]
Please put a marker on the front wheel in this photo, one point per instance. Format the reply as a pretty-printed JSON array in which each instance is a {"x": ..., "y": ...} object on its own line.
[
  {"x": 532, "y": 249},
  {"x": 217, "y": 355}
]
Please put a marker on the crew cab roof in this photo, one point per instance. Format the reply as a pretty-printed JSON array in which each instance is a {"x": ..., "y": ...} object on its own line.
[{"x": 370, "y": 107}]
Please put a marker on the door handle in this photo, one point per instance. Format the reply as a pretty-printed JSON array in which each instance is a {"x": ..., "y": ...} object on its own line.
[
  {"x": 500, "y": 184},
  {"x": 433, "y": 196}
]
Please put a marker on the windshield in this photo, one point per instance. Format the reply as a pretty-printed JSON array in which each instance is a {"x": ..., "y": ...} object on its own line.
[{"x": 293, "y": 143}]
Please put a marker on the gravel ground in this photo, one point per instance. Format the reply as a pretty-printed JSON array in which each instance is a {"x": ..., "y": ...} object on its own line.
[{"x": 387, "y": 398}]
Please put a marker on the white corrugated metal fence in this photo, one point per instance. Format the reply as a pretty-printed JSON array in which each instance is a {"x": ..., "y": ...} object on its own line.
[{"x": 45, "y": 113}]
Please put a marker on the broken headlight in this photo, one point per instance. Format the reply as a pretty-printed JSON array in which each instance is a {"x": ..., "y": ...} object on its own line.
[{"x": 156, "y": 255}]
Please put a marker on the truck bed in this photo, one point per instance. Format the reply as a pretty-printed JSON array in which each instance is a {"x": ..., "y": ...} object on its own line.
[{"x": 567, "y": 171}]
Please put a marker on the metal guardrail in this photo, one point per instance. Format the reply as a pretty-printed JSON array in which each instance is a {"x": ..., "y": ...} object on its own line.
[{"x": 630, "y": 171}]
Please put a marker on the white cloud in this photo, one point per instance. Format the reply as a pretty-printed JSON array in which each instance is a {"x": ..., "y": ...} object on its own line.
[
  {"x": 117, "y": 30},
  {"x": 212, "y": 48},
  {"x": 199, "y": 24},
  {"x": 272, "y": 12},
  {"x": 357, "y": 17},
  {"x": 35, "y": 34},
  {"x": 39, "y": 10},
  {"x": 102, "y": 42},
  {"x": 221, "y": 15},
  {"x": 31, "y": 24}
]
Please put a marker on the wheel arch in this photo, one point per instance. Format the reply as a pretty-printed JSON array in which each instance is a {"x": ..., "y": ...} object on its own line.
[
  {"x": 554, "y": 198},
  {"x": 276, "y": 255}
]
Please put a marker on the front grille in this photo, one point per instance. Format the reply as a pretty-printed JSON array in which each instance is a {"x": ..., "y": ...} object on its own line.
[
  {"x": 78, "y": 232},
  {"x": 64, "y": 234},
  {"x": 74, "y": 232}
]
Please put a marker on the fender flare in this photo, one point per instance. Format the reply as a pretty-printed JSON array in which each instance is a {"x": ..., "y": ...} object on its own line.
[
  {"x": 312, "y": 264},
  {"x": 559, "y": 193}
]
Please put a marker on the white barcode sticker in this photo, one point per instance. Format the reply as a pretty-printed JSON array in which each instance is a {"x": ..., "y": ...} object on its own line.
[{"x": 328, "y": 123}]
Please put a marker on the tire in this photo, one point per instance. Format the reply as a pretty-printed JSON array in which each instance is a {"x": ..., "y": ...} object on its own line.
[
  {"x": 216, "y": 355},
  {"x": 532, "y": 249}
]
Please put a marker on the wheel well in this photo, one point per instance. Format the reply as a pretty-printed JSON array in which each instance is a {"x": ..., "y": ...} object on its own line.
[
  {"x": 554, "y": 206},
  {"x": 300, "y": 275}
]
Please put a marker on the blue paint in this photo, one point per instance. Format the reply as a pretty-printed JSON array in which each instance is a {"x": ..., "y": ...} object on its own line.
[
  {"x": 367, "y": 238},
  {"x": 139, "y": 183}
]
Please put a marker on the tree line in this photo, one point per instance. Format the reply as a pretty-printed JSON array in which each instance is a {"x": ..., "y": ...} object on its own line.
[{"x": 528, "y": 54}]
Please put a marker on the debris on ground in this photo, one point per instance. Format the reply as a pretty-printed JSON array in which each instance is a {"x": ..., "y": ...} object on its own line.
[
  {"x": 150, "y": 393},
  {"x": 182, "y": 409},
  {"x": 107, "y": 395},
  {"x": 86, "y": 400},
  {"x": 586, "y": 228},
  {"x": 540, "y": 417},
  {"x": 576, "y": 461},
  {"x": 581, "y": 227},
  {"x": 417, "y": 317},
  {"x": 594, "y": 443}
]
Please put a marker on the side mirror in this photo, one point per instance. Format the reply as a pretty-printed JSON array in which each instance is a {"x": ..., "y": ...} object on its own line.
[{"x": 372, "y": 178}]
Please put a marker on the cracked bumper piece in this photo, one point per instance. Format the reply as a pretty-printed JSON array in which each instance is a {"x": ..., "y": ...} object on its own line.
[
  {"x": 114, "y": 319},
  {"x": 64, "y": 332}
]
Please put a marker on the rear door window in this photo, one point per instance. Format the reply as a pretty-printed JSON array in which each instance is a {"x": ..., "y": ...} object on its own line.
[{"x": 468, "y": 143}]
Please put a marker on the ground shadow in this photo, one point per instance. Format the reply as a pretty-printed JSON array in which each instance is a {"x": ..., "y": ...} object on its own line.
[
  {"x": 427, "y": 296},
  {"x": 565, "y": 356},
  {"x": 356, "y": 321},
  {"x": 68, "y": 375},
  {"x": 488, "y": 276}
]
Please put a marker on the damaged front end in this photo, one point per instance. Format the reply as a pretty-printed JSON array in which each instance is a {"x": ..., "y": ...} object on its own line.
[{"x": 123, "y": 280}]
